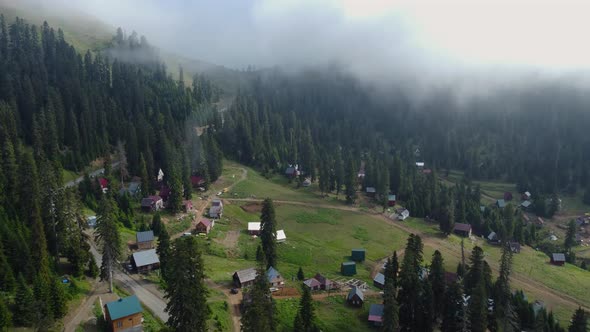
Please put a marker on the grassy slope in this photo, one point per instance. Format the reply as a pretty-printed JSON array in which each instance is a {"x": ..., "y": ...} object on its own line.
[{"x": 320, "y": 238}]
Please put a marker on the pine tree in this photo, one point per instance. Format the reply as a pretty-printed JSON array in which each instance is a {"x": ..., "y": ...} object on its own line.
[
  {"x": 58, "y": 298},
  {"x": 570, "y": 237},
  {"x": 93, "y": 271},
  {"x": 390, "y": 306},
  {"x": 505, "y": 317},
  {"x": 454, "y": 312},
  {"x": 300, "y": 275},
  {"x": 425, "y": 313},
  {"x": 156, "y": 224},
  {"x": 268, "y": 232},
  {"x": 108, "y": 237},
  {"x": 478, "y": 308},
  {"x": 24, "y": 309},
  {"x": 410, "y": 285},
  {"x": 186, "y": 291},
  {"x": 259, "y": 313},
  {"x": 476, "y": 270},
  {"x": 145, "y": 179},
  {"x": 350, "y": 183},
  {"x": 7, "y": 280},
  {"x": 5, "y": 315},
  {"x": 163, "y": 251},
  {"x": 579, "y": 321},
  {"x": 259, "y": 253},
  {"x": 305, "y": 319},
  {"x": 437, "y": 280},
  {"x": 43, "y": 301}
]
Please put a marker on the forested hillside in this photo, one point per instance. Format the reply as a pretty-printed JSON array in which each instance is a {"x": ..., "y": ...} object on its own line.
[{"x": 60, "y": 109}]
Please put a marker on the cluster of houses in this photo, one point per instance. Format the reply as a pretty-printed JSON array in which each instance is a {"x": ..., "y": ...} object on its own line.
[
  {"x": 245, "y": 278},
  {"x": 145, "y": 259}
]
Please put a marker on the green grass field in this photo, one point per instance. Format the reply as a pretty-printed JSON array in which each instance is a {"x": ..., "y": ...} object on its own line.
[{"x": 493, "y": 189}]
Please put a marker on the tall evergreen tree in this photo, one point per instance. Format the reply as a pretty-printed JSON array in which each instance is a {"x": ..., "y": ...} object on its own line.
[
  {"x": 5, "y": 315},
  {"x": 107, "y": 235},
  {"x": 268, "y": 232},
  {"x": 145, "y": 179},
  {"x": 478, "y": 308},
  {"x": 186, "y": 291},
  {"x": 390, "y": 306},
  {"x": 579, "y": 321},
  {"x": 259, "y": 314},
  {"x": 570, "y": 236},
  {"x": 305, "y": 318},
  {"x": 437, "y": 280},
  {"x": 163, "y": 251},
  {"x": 24, "y": 309},
  {"x": 454, "y": 315},
  {"x": 410, "y": 285}
]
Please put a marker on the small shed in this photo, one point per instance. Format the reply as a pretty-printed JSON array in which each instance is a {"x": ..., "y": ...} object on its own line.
[
  {"x": 391, "y": 200},
  {"x": 493, "y": 238},
  {"x": 379, "y": 281},
  {"x": 104, "y": 184},
  {"x": 501, "y": 203},
  {"x": 420, "y": 164},
  {"x": 370, "y": 191},
  {"x": 152, "y": 203},
  {"x": 306, "y": 182},
  {"x": 376, "y": 314},
  {"x": 358, "y": 255},
  {"x": 145, "y": 261},
  {"x": 348, "y": 268},
  {"x": 462, "y": 229},
  {"x": 281, "y": 237},
  {"x": 558, "y": 259},
  {"x": 526, "y": 195},
  {"x": 325, "y": 283},
  {"x": 405, "y": 214},
  {"x": 526, "y": 204},
  {"x": 244, "y": 278},
  {"x": 204, "y": 226},
  {"x": 514, "y": 247},
  {"x": 355, "y": 297},
  {"x": 145, "y": 240},
  {"x": 254, "y": 228}
]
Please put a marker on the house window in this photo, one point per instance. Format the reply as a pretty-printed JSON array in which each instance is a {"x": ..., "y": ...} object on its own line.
[{"x": 119, "y": 324}]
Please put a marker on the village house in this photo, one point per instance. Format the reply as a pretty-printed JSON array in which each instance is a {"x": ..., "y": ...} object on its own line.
[
  {"x": 91, "y": 221},
  {"x": 281, "y": 237},
  {"x": 379, "y": 281},
  {"x": 216, "y": 209},
  {"x": 312, "y": 283},
  {"x": 376, "y": 314},
  {"x": 501, "y": 203},
  {"x": 526, "y": 205},
  {"x": 348, "y": 268},
  {"x": 104, "y": 185},
  {"x": 274, "y": 277},
  {"x": 558, "y": 259},
  {"x": 145, "y": 240},
  {"x": 254, "y": 228},
  {"x": 318, "y": 282},
  {"x": 133, "y": 189},
  {"x": 514, "y": 247},
  {"x": 145, "y": 261},
  {"x": 462, "y": 229},
  {"x": 204, "y": 226},
  {"x": 526, "y": 196},
  {"x": 405, "y": 214},
  {"x": 493, "y": 238},
  {"x": 244, "y": 278},
  {"x": 124, "y": 314},
  {"x": 187, "y": 206},
  {"x": 391, "y": 200},
  {"x": 197, "y": 181},
  {"x": 371, "y": 191},
  {"x": 357, "y": 255},
  {"x": 355, "y": 297},
  {"x": 152, "y": 203},
  {"x": 292, "y": 171}
]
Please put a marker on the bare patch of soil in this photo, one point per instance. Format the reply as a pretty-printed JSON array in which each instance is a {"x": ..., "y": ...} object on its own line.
[{"x": 252, "y": 207}]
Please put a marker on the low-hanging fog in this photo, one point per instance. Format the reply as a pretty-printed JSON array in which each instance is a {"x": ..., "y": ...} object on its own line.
[{"x": 472, "y": 46}]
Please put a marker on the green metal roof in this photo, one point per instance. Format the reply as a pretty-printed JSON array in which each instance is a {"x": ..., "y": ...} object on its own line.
[{"x": 123, "y": 307}]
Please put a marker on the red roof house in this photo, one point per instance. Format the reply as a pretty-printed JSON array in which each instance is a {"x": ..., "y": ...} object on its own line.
[
  {"x": 104, "y": 184},
  {"x": 187, "y": 206},
  {"x": 197, "y": 181},
  {"x": 204, "y": 226}
]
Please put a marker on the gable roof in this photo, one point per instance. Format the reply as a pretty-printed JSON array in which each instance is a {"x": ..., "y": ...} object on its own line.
[
  {"x": 272, "y": 274},
  {"x": 290, "y": 170},
  {"x": 420, "y": 163},
  {"x": 379, "y": 278},
  {"x": 391, "y": 197},
  {"x": 205, "y": 222},
  {"x": 103, "y": 182},
  {"x": 311, "y": 283},
  {"x": 281, "y": 235},
  {"x": 371, "y": 190},
  {"x": 146, "y": 257},
  {"x": 323, "y": 280},
  {"x": 355, "y": 290},
  {"x": 123, "y": 307},
  {"x": 558, "y": 257},
  {"x": 501, "y": 203},
  {"x": 526, "y": 204},
  {"x": 462, "y": 227},
  {"x": 405, "y": 213},
  {"x": 376, "y": 313},
  {"x": 254, "y": 226},
  {"x": 246, "y": 275},
  {"x": 144, "y": 236},
  {"x": 493, "y": 236}
]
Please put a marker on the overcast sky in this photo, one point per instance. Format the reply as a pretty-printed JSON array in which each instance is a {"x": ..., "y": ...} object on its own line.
[{"x": 469, "y": 44}]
